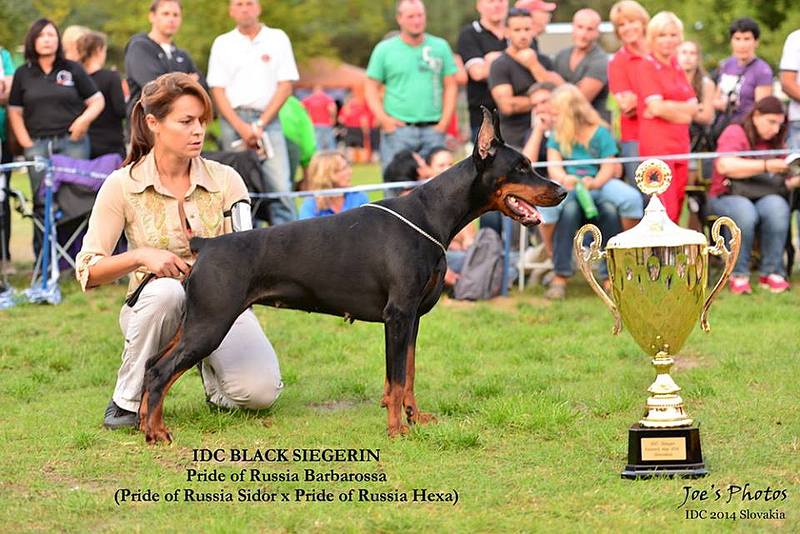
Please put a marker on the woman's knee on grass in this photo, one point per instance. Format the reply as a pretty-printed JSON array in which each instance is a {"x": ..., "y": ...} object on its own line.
[{"x": 254, "y": 392}]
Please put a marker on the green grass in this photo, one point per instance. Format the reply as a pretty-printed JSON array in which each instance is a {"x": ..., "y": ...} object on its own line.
[{"x": 533, "y": 401}]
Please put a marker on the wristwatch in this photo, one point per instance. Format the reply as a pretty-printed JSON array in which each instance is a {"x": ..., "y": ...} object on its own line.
[{"x": 260, "y": 123}]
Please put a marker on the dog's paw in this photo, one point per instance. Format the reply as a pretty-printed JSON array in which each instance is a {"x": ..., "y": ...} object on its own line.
[
  {"x": 400, "y": 430},
  {"x": 422, "y": 418},
  {"x": 159, "y": 435}
]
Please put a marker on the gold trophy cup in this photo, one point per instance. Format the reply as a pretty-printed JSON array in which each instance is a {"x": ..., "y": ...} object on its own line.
[{"x": 659, "y": 273}]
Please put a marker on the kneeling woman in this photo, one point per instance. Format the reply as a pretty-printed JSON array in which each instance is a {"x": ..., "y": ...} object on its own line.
[
  {"x": 763, "y": 128},
  {"x": 579, "y": 133},
  {"x": 164, "y": 195}
]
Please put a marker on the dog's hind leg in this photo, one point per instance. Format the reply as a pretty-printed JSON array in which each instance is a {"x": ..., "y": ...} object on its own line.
[
  {"x": 151, "y": 412},
  {"x": 409, "y": 401},
  {"x": 398, "y": 322},
  {"x": 166, "y": 352},
  {"x": 200, "y": 338}
]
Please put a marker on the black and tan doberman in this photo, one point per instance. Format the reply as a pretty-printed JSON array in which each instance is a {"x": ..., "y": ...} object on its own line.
[{"x": 381, "y": 264}]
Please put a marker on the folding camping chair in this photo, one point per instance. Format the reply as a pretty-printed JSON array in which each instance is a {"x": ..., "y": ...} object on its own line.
[
  {"x": 67, "y": 196},
  {"x": 75, "y": 186},
  {"x": 8, "y": 296}
]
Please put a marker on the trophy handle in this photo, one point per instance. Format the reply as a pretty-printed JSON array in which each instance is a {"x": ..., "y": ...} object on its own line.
[
  {"x": 728, "y": 256},
  {"x": 585, "y": 261}
]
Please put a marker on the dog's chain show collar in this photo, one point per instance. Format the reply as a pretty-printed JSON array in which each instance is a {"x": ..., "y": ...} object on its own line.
[{"x": 412, "y": 225}]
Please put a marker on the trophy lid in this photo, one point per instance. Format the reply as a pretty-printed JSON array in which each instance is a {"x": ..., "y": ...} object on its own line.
[{"x": 655, "y": 229}]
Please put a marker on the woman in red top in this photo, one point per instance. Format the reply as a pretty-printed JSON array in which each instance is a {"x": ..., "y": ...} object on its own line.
[
  {"x": 630, "y": 20},
  {"x": 666, "y": 105}
]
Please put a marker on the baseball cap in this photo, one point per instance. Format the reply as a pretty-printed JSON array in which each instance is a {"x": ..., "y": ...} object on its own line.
[{"x": 535, "y": 5}]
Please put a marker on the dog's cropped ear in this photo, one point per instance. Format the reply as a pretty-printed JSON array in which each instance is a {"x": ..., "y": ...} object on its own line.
[
  {"x": 496, "y": 123},
  {"x": 487, "y": 138}
]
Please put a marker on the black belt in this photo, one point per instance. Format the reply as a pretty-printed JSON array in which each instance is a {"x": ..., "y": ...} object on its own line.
[{"x": 422, "y": 124}]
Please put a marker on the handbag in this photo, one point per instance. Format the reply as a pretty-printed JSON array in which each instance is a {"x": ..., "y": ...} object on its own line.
[
  {"x": 725, "y": 117},
  {"x": 759, "y": 186}
]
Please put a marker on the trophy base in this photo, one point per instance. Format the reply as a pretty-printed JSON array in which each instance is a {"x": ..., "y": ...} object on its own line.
[{"x": 664, "y": 452}]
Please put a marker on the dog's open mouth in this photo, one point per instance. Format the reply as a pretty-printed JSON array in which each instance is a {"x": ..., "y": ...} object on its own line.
[{"x": 524, "y": 212}]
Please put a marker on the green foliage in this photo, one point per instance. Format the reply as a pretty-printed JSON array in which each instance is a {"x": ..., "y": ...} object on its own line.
[
  {"x": 707, "y": 21},
  {"x": 348, "y": 29},
  {"x": 315, "y": 28}
]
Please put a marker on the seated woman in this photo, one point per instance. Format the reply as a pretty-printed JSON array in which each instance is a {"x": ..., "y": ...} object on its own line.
[
  {"x": 406, "y": 166},
  {"x": 763, "y": 128},
  {"x": 579, "y": 133},
  {"x": 329, "y": 170},
  {"x": 438, "y": 160},
  {"x": 165, "y": 194}
]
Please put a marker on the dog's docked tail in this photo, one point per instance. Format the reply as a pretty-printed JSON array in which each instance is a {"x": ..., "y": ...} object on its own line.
[{"x": 196, "y": 243}]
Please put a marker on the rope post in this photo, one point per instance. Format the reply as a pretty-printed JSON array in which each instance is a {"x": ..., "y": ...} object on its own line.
[{"x": 507, "y": 231}]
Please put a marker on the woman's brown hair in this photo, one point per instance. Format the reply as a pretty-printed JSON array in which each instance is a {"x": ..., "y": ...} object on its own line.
[
  {"x": 89, "y": 44},
  {"x": 156, "y": 100},
  {"x": 769, "y": 105}
]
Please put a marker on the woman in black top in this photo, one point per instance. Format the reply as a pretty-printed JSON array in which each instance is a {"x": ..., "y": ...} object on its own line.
[
  {"x": 53, "y": 101},
  {"x": 105, "y": 133}
]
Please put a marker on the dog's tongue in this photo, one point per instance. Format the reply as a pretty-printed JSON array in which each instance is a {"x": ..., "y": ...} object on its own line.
[{"x": 529, "y": 214}]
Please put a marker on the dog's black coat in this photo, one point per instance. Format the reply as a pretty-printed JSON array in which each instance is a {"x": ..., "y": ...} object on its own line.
[{"x": 363, "y": 264}]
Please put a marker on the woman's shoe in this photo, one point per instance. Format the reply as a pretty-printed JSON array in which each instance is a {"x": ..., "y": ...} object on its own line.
[
  {"x": 116, "y": 417},
  {"x": 556, "y": 291},
  {"x": 773, "y": 283},
  {"x": 739, "y": 285}
]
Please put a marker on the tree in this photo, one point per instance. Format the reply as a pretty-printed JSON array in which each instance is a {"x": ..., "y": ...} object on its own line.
[{"x": 349, "y": 29}]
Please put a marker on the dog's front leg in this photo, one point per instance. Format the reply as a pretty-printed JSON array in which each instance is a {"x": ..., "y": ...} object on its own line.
[
  {"x": 398, "y": 323},
  {"x": 152, "y": 422},
  {"x": 409, "y": 400}
]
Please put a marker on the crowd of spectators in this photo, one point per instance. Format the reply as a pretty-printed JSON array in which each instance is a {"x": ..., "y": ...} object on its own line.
[
  {"x": 653, "y": 96},
  {"x": 560, "y": 110}
]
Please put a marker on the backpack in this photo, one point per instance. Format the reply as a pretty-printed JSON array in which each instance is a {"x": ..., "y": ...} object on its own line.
[{"x": 482, "y": 274}]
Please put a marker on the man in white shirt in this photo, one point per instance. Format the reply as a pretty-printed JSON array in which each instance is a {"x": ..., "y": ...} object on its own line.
[
  {"x": 790, "y": 81},
  {"x": 250, "y": 72}
]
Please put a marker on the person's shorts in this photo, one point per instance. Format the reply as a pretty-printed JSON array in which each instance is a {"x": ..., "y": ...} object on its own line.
[{"x": 354, "y": 137}]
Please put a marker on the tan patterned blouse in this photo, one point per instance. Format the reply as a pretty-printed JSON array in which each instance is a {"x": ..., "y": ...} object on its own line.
[{"x": 134, "y": 200}]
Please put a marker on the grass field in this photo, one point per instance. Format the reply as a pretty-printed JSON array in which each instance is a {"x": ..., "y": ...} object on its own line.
[{"x": 533, "y": 401}]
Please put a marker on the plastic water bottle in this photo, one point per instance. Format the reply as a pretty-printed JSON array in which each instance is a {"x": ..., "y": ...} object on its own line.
[{"x": 585, "y": 200}]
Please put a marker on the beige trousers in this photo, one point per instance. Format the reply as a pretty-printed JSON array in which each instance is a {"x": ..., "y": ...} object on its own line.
[{"x": 242, "y": 373}]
